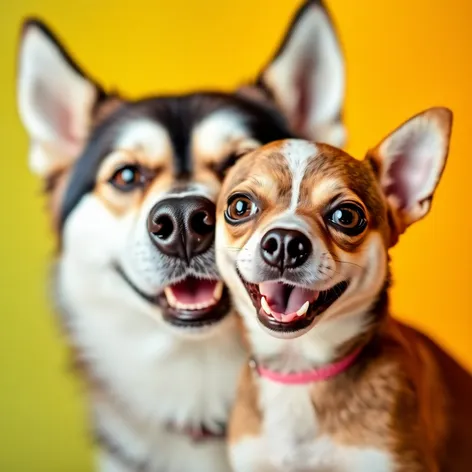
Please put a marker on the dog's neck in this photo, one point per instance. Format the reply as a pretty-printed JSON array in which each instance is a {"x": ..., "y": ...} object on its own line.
[{"x": 309, "y": 376}]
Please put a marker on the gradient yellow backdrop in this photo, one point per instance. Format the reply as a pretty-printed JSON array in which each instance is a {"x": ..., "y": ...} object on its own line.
[{"x": 402, "y": 57}]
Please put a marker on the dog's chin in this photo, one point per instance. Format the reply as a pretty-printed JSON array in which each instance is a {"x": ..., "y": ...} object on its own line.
[
  {"x": 191, "y": 305},
  {"x": 287, "y": 311}
]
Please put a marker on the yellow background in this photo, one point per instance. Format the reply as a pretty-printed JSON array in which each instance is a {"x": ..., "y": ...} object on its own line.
[{"x": 402, "y": 57}]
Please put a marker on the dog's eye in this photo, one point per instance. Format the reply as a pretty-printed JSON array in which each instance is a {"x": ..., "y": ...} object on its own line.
[
  {"x": 240, "y": 208},
  {"x": 348, "y": 218},
  {"x": 127, "y": 178}
]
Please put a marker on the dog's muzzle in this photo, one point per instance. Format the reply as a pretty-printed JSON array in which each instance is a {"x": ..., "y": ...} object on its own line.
[
  {"x": 182, "y": 229},
  {"x": 285, "y": 304}
]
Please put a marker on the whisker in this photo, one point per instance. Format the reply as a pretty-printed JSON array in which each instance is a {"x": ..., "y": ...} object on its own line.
[{"x": 351, "y": 263}]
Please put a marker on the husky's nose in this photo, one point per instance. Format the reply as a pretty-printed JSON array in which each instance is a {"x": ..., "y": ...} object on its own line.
[
  {"x": 182, "y": 226},
  {"x": 285, "y": 248}
]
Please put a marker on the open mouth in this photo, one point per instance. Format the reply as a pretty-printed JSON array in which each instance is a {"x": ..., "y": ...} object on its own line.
[
  {"x": 194, "y": 302},
  {"x": 189, "y": 303},
  {"x": 285, "y": 308}
]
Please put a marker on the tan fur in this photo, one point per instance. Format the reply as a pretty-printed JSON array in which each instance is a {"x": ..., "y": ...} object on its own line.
[
  {"x": 404, "y": 395},
  {"x": 396, "y": 399},
  {"x": 239, "y": 145},
  {"x": 245, "y": 418}
]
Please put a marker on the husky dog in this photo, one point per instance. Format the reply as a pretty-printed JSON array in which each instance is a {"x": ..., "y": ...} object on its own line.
[{"x": 131, "y": 187}]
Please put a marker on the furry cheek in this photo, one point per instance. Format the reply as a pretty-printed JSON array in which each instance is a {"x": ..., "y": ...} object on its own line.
[
  {"x": 366, "y": 270},
  {"x": 227, "y": 256},
  {"x": 94, "y": 233}
]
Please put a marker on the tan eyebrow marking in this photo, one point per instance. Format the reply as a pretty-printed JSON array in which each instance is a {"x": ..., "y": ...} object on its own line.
[
  {"x": 217, "y": 131},
  {"x": 325, "y": 186},
  {"x": 148, "y": 136},
  {"x": 254, "y": 180}
]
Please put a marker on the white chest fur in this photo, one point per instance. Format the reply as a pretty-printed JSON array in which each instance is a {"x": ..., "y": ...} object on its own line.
[
  {"x": 291, "y": 441},
  {"x": 156, "y": 377}
]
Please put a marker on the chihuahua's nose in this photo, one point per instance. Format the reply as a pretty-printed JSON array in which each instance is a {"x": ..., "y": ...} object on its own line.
[
  {"x": 285, "y": 248},
  {"x": 182, "y": 226}
]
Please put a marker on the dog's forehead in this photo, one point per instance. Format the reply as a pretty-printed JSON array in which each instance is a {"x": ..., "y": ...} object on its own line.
[
  {"x": 145, "y": 135},
  {"x": 301, "y": 173},
  {"x": 179, "y": 131},
  {"x": 282, "y": 163},
  {"x": 333, "y": 171},
  {"x": 219, "y": 127}
]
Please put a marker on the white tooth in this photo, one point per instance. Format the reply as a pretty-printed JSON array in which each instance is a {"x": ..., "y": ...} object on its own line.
[
  {"x": 265, "y": 306},
  {"x": 194, "y": 306},
  {"x": 303, "y": 309},
  {"x": 218, "y": 292},
  {"x": 170, "y": 297},
  {"x": 173, "y": 302}
]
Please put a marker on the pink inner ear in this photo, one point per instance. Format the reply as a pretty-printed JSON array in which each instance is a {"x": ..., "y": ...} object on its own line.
[
  {"x": 304, "y": 99},
  {"x": 59, "y": 117},
  {"x": 410, "y": 171}
]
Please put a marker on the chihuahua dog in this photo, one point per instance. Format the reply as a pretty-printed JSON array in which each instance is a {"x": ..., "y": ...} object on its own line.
[
  {"x": 335, "y": 384},
  {"x": 132, "y": 188}
]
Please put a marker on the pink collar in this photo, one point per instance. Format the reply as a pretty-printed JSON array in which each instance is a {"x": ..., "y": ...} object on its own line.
[{"x": 315, "y": 375}]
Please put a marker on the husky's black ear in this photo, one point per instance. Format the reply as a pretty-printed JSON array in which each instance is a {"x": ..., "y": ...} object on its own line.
[
  {"x": 55, "y": 99},
  {"x": 306, "y": 77}
]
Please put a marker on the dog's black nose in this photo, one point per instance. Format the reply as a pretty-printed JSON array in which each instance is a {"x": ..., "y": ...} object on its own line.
[
  {"x": 285, "y": 248},
  {"x": 182, "y": 226}
]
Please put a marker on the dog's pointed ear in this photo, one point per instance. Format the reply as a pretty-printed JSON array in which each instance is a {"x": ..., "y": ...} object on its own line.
[
  {"x": 306, "y": 77},
  {"x": 409, "y": 163},
  {"x": 55, "y": 99}
]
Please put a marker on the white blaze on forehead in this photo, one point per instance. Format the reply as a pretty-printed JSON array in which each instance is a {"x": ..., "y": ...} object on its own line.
[
  {"x": 217, "y": 130},
  {"x": 146, "y": 136},
  {"x": 297, "y": 153}
]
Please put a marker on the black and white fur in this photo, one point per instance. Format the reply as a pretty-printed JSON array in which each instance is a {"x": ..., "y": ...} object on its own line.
[{"x": 150, "y": 382}]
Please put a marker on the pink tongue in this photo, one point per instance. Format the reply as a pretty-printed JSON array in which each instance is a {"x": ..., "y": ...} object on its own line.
[
  {"x": 286, "y": 300},
  {"x": 191, "y": 291}
]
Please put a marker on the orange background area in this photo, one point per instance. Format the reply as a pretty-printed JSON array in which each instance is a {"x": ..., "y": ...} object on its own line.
[{"x": 402, "y": 56}]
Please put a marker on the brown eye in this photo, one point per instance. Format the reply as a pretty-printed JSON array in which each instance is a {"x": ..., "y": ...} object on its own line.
[
  {"x": 348, "y": 218},
  {"x": 240, "y": 208},
  {"x": 127, "y": 178}
]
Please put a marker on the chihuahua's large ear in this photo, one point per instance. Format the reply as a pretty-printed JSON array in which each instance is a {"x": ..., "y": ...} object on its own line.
[
  {"x": 409, "y": 163},
  {"x": 306, "y": 77},
  {"x": 55, "y": 100}
]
